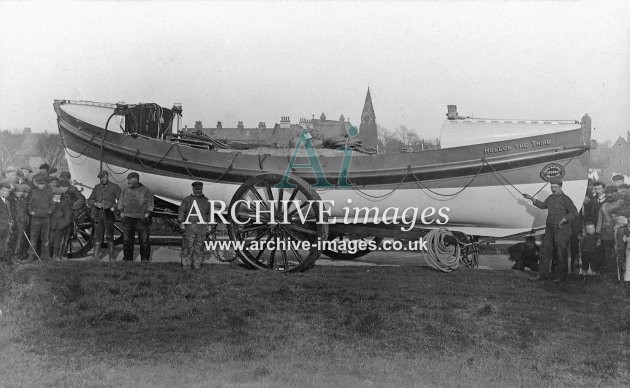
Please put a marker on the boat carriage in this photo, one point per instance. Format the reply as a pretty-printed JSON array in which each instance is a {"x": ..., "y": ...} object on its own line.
[{"x": 479, "y": 174}]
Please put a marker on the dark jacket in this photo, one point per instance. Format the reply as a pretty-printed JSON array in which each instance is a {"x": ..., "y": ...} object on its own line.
[
  {"x": 135, "y": 202},
  {"x": 558, "y": 207},
  {"x": 522, "y": 251},
  {"x": 186, "y": 205},
  {"x": 589, "y": 243},
  {"x": 75, "y": 198},
  {"x": 61, "y": 215},
  {"x": 19, "y": 210},
  {"x": 107, "y": 194},
  {"x": 40, "y": 202},
  {"x": 6, "y": 219},
  {"x": 605, "y": 226},
  {"x": 622, "y": 207}
]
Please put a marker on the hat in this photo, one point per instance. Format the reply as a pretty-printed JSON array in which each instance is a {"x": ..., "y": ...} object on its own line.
[
  {"x": 23, "y": 187},
  {"x": 610, "y": 189},
  {"x": 133, "y": 175},
  {"x": 10, "y": 168},
  {"x": 65, "y": 175},
  {"x": 102, "y": 174},
  {"x": 44, "y": 166},
  {"x": 39, "y": 179},
  {"x": 52, "y": 178},
  {"x": 29, "y": 168},
  {"x": 64, "y": 182},
  {"x": 618, "y": 177},
  {"x": 5, "y": 185},
  {"x": 197, "y": 185}
]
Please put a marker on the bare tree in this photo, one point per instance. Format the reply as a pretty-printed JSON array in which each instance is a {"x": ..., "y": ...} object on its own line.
[
  {"x": 388, "y": 142},
  {"x": 49, "y": 148},
  {"x": 409, "y": 137},
  {"x": 10, "y": 142}
]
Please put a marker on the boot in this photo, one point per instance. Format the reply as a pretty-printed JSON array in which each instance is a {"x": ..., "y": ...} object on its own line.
[
  {"x": 96, "y": 254},
  {"x": 110, "y": 251}
]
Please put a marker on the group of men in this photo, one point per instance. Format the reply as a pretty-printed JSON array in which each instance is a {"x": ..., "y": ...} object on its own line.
[
  {"x": 595, "y": 236},
  {"x": 35, "y": 212}
]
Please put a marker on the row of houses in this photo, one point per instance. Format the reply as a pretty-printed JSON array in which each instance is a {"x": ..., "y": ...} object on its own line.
[{"x": 285, "y": 133}]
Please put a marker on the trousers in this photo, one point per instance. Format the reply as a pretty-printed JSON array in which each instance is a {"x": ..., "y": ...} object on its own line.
[
  {"x": 56, "y": 241},
  {"x": 193, "y": 245},
  {"x": 40, "y": 231},
  {"x": 131, "y": 226},
  {"x": 558, "y": 239},
  {"x": 103, "y": 224}
]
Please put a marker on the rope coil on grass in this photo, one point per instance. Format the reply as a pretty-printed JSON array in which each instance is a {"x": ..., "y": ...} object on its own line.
[{"x": 440, "y": 255}]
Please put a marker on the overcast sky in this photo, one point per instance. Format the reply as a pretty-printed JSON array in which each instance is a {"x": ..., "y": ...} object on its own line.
[{"x": 258, "y": 61}]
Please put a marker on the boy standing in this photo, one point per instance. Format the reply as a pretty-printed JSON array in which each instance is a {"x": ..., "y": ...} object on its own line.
[{"x": 589, "y": 249}]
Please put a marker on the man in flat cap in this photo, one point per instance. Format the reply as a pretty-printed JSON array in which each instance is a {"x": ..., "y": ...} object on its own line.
[
  {"x": 76, "y": 199},
  {"x": 103, "y": 201},
  {"x": 6, "y": 220},
  {"x": 194, "y": 228},
  {"x": 11, "y": 176},
  {"x": 25, "y": 176},
  {"x": 40, "y": 206},
  {"x": 44, "y": 169},
  {"x": 135, "y": 205},
  {"x": 561, "y": 212},
  {"x": 618, "y": 180}
]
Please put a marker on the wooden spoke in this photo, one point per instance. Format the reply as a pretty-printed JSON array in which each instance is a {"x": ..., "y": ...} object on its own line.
[
  {"x": 300, "y": 229},
  {"x": 254, "y": 228},
  {"x": 297, "y": 255},
  {"x": 272, "y": 257},
  {"x": 284, "y": 259},
  {"x": 279, "y": 204},
  {"x": 269, "y": 192},
  {"x": 254, "y": 191}
]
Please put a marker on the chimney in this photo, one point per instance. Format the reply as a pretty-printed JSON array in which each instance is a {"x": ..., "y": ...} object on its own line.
[
  {"x": 285, "y": 122},
  {"x": 240, "y": 125},
  {"x": 452, "y": 112},
  {"x": 342, "y": 119},
  {"x": 262, "y": 125},
  {"x": 198, "y": 125},
  {"x": 219, "y": 125}
]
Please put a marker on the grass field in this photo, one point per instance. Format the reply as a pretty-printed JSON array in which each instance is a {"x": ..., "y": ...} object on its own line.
[{"x": 127, "y": 324}]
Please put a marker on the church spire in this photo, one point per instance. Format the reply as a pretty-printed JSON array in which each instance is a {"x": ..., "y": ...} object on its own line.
[{"x": 367, "y": 130}]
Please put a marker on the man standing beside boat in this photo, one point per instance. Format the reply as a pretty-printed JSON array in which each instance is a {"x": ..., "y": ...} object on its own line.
[
  {"x": 561, "y": 211},
  {"x": 135, "y": 205},
  {"x": 103, "y": 201}
]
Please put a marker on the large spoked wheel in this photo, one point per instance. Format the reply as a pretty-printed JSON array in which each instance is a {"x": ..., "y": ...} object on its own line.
[
  {"x": 347, "y": 245},
  {"x": 271, "y": 243},
  {"x": 80, "y": 235}
]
